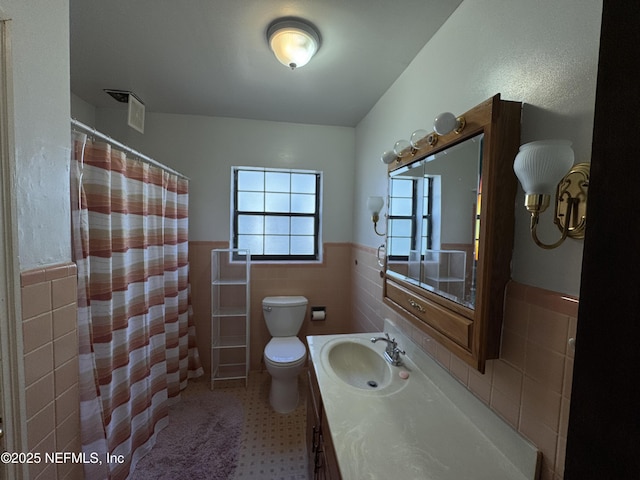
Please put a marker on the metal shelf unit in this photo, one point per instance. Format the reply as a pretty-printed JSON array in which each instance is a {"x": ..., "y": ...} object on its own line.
[{"x": 230, "y": 310}]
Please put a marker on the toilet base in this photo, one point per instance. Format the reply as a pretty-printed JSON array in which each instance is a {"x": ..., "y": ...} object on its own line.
[{"x": 284, "y": 394}]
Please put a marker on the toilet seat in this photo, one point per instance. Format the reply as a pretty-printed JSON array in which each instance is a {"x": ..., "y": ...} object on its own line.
[{"x": 284, "y": 350}]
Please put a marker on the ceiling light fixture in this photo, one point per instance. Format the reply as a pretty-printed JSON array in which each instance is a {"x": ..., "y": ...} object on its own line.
[{"x": 293, "y": 41}]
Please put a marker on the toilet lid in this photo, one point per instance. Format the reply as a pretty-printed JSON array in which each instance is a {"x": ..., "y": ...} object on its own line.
[{"x": 284, "y": 349}]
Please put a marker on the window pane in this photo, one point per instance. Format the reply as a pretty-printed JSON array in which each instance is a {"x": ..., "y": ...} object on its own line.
[
  {"x": 302, "y": 245},
  {"x": 398, "y": 246},
  {"x": 303, "y": 183},
  {"x": 400, "y": 207},
  {"x": 401, "y": 188},
  {"x": 276, "y": 225},
  {"x": 251, "y": 242},
  {"x": 277, "y": 202},
  {"x": 277, "y": 182},
  {"x": 302, "y": 203},
  {"x": 251, "y": 224},
  {"x": 399, "y": 227},
  {"x": 276, "y": 245},
  {"x": 250, "y": 202},
  {"x": 302, "y": 226},
  {"x": 250, "y": 180}
]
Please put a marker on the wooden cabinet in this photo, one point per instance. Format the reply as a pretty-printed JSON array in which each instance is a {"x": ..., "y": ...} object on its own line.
[
  {"x": 323, "y": 464},
  {"x": 463, "y": 200}
]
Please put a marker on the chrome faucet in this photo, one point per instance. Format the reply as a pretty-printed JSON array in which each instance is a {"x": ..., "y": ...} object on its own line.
[{"x": 392, "y": 352}]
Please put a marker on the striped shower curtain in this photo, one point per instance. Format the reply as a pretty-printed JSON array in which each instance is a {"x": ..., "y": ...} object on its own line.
[{"x": 136, "y": 334}]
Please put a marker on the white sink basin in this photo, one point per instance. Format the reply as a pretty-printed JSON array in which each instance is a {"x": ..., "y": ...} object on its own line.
[
  {"x": 427, "y": 425},
  {"x": 359, "y": 366},
  {"x": 358, "y": 363}
]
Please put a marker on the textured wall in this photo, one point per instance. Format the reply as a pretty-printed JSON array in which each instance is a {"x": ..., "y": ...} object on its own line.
[
  {"x": 40, "y": 50},
  {"x": 542, "y": 53}
]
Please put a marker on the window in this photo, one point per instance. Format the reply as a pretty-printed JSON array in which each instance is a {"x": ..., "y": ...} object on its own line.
[
  {"x": 276, "y": 213},
  {"x": 402, "y": 217},
  {"x": 404, "y": 209}
]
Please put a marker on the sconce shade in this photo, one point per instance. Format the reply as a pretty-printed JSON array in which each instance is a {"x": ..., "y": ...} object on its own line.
[
  {"x": 293, "y": 42},
  {"x": 375, "y": 204},
  {"x": 541, "y": 165}
]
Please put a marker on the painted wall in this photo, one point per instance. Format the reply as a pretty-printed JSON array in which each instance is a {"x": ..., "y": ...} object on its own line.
[
  {"x": 542, "y": 53},
  {"x": 82, "y": 111},
  {"x": 205, "y": 148},
  {"x": 40, "y": 76}
]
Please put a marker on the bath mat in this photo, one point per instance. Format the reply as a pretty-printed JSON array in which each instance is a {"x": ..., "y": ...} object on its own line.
[{"x": 202, "y": 439}]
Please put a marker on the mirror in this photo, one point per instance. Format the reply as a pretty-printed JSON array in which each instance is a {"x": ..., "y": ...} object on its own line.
[
  {"x": 433, "y": 224},
  {"x": 450, "y": 224}
]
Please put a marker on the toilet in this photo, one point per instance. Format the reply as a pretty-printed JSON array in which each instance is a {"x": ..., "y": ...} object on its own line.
[{"x": 285, "y": 354}]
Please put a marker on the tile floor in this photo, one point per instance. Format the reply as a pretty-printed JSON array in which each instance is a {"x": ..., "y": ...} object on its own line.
[{"x": 273, "y": 445}]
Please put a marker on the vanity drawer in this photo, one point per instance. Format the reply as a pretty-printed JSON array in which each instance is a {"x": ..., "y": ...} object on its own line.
[{"x": 455, "y": 327}]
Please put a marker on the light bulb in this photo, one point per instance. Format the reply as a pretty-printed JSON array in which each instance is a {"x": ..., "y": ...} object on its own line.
[
  {"x": 402, "y": 148},
  {"x": 419, "y": 139},
  {"x": 444, "y": 123},
  {"x": 388, "y": 157}
]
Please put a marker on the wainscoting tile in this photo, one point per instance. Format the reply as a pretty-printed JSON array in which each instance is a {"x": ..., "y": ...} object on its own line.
[
  {"x": 40, "y": 425},
  {"x": 36, "y": 332},
  {"x": 51, "y": 377},
  {"x": 39, "y": 395},
  {"x": 64, "y": 320},
  {"x": 36, "y": 300},
  {"x": 38, "y": 363}
]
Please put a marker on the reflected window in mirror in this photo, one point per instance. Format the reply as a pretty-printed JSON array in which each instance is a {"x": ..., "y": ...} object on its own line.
[
  {"x": 427, "y": 215},
  {"x": 402, "y": 218}
]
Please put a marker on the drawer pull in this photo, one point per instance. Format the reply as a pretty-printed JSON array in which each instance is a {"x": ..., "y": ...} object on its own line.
[{"x": 416, "y": 305}]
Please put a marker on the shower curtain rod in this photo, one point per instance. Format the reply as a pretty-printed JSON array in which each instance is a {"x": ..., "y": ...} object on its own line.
[{"x": 122, "y": 146}]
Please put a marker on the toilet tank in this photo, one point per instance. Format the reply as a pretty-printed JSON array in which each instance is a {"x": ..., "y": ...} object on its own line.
[{"x": 284, "y": 315}]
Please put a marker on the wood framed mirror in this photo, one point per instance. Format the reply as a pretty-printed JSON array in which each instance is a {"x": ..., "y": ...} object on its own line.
[{"x": 450, "y": 231}]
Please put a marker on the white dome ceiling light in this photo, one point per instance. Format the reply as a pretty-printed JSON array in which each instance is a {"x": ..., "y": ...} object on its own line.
[{"x": 293, "y": 41}]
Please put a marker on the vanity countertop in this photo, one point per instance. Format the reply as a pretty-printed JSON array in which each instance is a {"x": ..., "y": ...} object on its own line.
[{"x": 427, "y": 427}]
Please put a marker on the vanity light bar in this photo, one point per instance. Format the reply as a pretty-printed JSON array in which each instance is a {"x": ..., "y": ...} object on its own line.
[{"x": 443, "y": 124}]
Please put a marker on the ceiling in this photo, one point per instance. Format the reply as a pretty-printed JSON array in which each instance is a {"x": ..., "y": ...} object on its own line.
[{"x": 211, "y": 57}]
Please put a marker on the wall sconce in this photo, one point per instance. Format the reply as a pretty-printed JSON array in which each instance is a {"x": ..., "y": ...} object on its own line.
[
  {"x": 447, "y": 122},
  {"x": 375, "y": 204},
  {"x": 542, "y": 168},
  {"x": 293, "y": 41}
]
